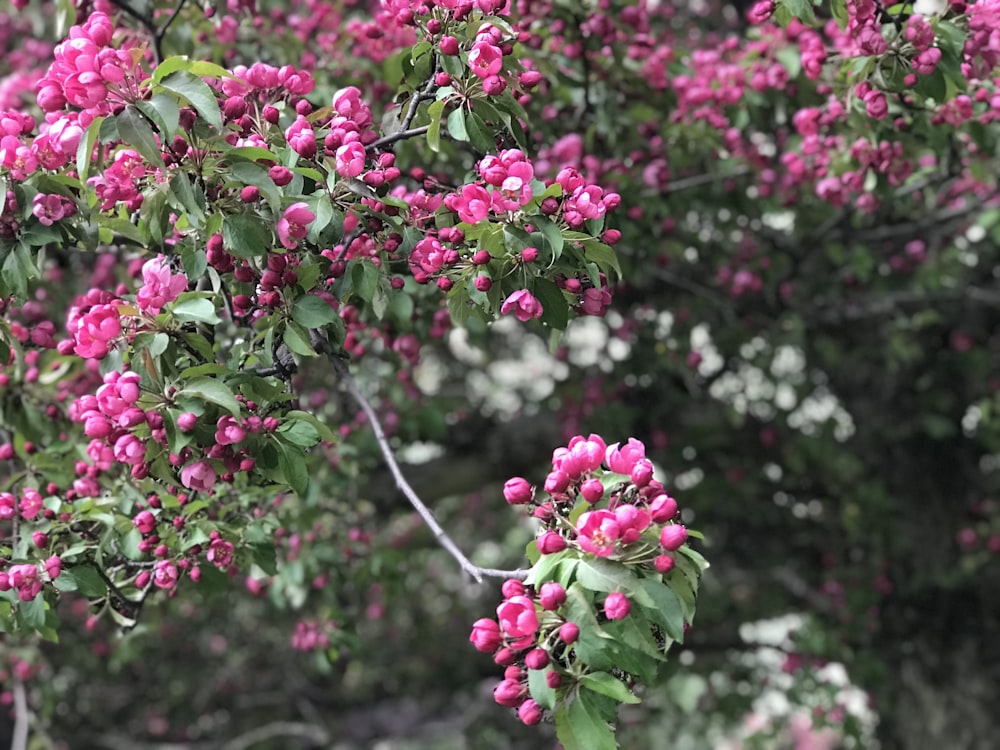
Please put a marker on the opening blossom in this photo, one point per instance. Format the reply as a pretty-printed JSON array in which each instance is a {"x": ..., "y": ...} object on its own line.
[
  {"x": 159, "y": 285},
  {"x": 523, "y": 305},
  {"x": 294, "y": 224}
]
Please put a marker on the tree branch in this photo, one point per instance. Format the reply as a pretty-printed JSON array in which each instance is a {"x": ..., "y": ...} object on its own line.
[
  {"x": 405, "y": 131},
  {"x": 383, "y": 443},
  {"x": 399, "y": 135}
]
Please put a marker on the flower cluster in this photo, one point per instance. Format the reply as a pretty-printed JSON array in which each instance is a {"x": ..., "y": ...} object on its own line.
[{"x": 607, "y": 551}]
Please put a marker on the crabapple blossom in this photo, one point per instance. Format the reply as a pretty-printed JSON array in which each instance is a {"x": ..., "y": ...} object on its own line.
[
  {"x": 523, "y": 305},
  {"x": 518, "y": 620},
  {"x": 159, "y": 286}
]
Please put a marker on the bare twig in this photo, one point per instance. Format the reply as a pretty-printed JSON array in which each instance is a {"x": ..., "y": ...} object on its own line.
[
  {"x": 20, "y": 736},
  {"x": 686, "y": 183},
  {"x": 383, "y": 443},
  {"x": 405, "y": 131},
  {"x": 400, "y": 135}
]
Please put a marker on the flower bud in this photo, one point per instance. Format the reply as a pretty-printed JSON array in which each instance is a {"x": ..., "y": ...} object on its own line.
[
  {"x": 485, "y": 635},
  {"x": 512, "y": 587},
  {"x": 569, "y": 632},
  {"x": 550, "y": 543},
  {"x": 673, "y": 537},
  {"x": 518, "y": 491},
  {"x": 552, "y": 595},
  {"x": 662, "y": 508},
  {"x": 617, "y": 606},
  {"x": 537, "y": 658},
  {"x": 509, "y": 693},
  {"x": 529, "y": 712},
  {"x": 664, "y": 564},
  {"x": 592, "y": 490}
]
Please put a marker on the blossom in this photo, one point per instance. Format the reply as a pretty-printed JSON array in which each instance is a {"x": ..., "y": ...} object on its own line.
[
  {"x": 471, "y": 203},
  {"x": 623, "y": 459},
  {"x": 301, "y": 138},
  {"x": 159, "y": 285},
  {"x": 523, "y": 304},
  {"x": 350, "y": 159},
  {"x": 617, "y": 606},
  {"x": 485, "y": 59},
  {"x": 518, "y": 620},
  {"x": 220, "y": 553},
  {"x": 198, "y": 476},
  {"x": 96, "y": 330},
  {"x": 145, "y": 521},
  {"x": 550, "y": 543},
  {"x": 229, "y": 431},
  {"x": 293, "y": 225},
  {"x": 597, "y": 532},
  {"x": 165, "y": 574}
]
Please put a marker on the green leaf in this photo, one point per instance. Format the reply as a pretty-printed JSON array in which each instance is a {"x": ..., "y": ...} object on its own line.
[
  {"x": 598, "y": 574},
  {"x": 245, "y": 236},
  {"x": 544, "y": 695},
  {"x": 324, "y": 432},
  {"x": 299, "y": 433},
  {"x": 130, "y": 544},
  {"x": 579, "y": 726},
  {"x": 162, "y": 109},
  {"x": 668, "y": 612},
  {"x": 32, "y": 614},
  {"x": 364, "y": 279},
  {"x": 85, "y": 149},
  {"x": 606, "y": 684},
  {"x": 456, "y": 125},
  {"x": 88, "y": 581},
  {"x": 197, "y": 310},
  {"x": 603, "y": 255},
  {"x": 801, "y": 9},
  {"x": 552, "y": 234},
  {"x": 545, "y": 569},
  {"x": 137, "y": 133},
  {"x": 293, "y": 466},
  {"x": 435, "y": 111},
  {"x": 197, "y": 93},
  {"x": 296, "y": 338},
  {"x": 265, "y": 557},
  {"x": 555, "y": 308},
  {"x": 214, "y": 391},
  {"x": 480, "y": 135},
  {"x": 312, "y": 311}
]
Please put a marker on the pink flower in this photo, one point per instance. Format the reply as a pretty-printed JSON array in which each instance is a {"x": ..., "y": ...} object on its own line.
[
  {"x": 485, "y": 59},
  {"x": 632, "y": 521},
  {"x": 486, "y": 636},
  {"x": 159, "y": 285},
  {"x": 617, "y": 606},
  {"x": 523, "y": 304},
  {"x": 350, "y": 159},
  {"x": 48, "y": 208},
  {"x": 165, "y": 574},
  {"x": 621, "y": 460},
  {"x": 220, "y": 553},
  {"x": 129, "y": 450},
  {"x": 96, "y": 330},
  {"x": 198, "y": 476},
  {"x": 662, "y": 508},
  {"x": 529, "y": 712},
  {"x": 293, "y": 225},
  {"x": 229, "y": 431},
  {"x": 301, "y": 138},
  {"x": 53, "y": 567},
  {"x": 518, "y": 491},
  {"x": 518, "y": 620},
  {"x": 145, "y": 521},
  {"x": 31, "y": 504},
  {"x": 472, "y": 203},
  {"x": 598, "y": 531},
  {"x": 510, "y": 693}
]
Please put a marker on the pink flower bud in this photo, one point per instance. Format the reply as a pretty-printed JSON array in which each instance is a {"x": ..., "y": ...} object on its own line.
[
  {"x": 664, "y": 564},
  {"x": 186, "y": 422},
  {"x": 509, "y": 693},
  {"x": 662, "y": 508},
  {"x": 518, "y": 491},
  {"x": 592, "y": 490},
  {"x": 512, "y": 587},
  {"x": 529, "y": 712},
  {"x": 617, "y": 606},
  {"x": 537, "y": 658},
  {"x": 673, "y": 537},
  {"x": 642, "y": 472},
  {"x": 550, "y": 543},
  {"x": 505, "y": 656},
  {"x": 553, "y": 679},
  {"x": 552, "y": 595},
  {"x": 485, "y": 635},
  {"x": 568, "y": 632}
]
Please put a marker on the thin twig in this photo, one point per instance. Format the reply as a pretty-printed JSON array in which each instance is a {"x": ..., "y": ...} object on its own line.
[
  {"x": 399, "y": 135},
  {"x": 20, "y": 736},
  {"x": 405, "y": 131},
  {"x": 686, "y": 183},
  {"x": 383, "y": 443}
]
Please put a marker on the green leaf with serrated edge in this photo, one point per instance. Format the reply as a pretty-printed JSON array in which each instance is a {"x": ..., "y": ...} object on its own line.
[
  {"x": 196, "y": 311},
  {"x": 543, "y": 695},
  {"x": 456, "y": 125},
  {"x": 555, "y": 308},
  {"x": 197, "y": 93},
  {"x": 88, "y": 581},
  {"x": 598, "y": 574},
  {"x": 32, "y": 614},
  {"x": 162, "y": 110},
  {"x": 137, "y": 133},
  {"x": 245, "y": 236},
  {"x": 668, "y": 612},
  {"x": 606, "y": 684},
  {"x": 325, "y": 433},
  {"x": 553, "y": 235},
  {"x": 293, "y": 466},
  {"x": 544, "y": 570},
  {"x": 480, "y": 135},
  {"x": 296, "y": 338},
  {"x": 181, "y": 188},
  {"x": 603, "y": 256},
  {"x": 214, "y": 391},
  {"x": 435, "y": 111},
  {"x": 364, "y": 279},
  {"x": 130, "y": 544},
  {"x": 634, "y": 632},
  {"x": 312, "y": 311},
  {"x": 170, "y": 65},
  {"x": 299, "y": 432},
  {"x": 580, "y": 727}
]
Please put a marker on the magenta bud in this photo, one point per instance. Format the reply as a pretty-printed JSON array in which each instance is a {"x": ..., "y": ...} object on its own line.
[
  {"x": 518, "y": 491},
  {"x": 537, "y": 658},
  {"x": 553, "y": 679},
  {"x": 512, "y": 587},
  {"x": 663, "y": 563},
  {"x": 551, "y": 595},
  {"x": 673, "y": 537},
  {"x": 662, "y": 508},
  {"x": 617, "y": 606},
  {"x": 569, "y": 632},
  {"x": 592, "y": 490},
  {"x": 509, "y": 693},
  {"x": 550, "y": 543}
]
